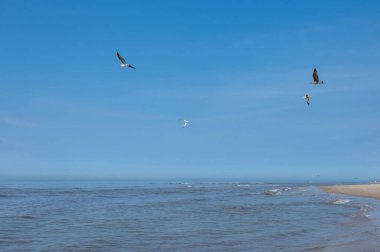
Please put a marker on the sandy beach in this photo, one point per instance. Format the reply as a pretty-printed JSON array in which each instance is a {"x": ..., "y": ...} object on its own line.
[{"x": 366, "y": 190}]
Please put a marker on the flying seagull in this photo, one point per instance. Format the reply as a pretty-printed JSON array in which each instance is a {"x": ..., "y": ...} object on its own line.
[
  {"x": 185, "y": 123},
  {"x": 307, "y": 98},
  {"x": 316, "y": 78},
  {"x": 123, "y": 62}
]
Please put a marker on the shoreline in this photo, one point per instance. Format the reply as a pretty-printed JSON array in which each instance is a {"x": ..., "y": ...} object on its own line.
[{"x": 363, "y": 190}]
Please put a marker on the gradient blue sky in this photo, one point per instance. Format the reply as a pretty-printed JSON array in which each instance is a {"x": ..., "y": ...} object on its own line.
[{"x": 236, "y": 69}]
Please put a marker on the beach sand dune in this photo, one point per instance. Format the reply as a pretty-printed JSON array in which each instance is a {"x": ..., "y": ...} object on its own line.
[{"x": 367, "y": 190}]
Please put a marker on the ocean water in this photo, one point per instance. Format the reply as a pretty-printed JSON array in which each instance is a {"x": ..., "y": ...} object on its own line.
[{"x": 183, "y": 216}]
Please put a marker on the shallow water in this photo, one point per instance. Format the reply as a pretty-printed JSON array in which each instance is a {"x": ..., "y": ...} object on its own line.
[{"x": 183, "y": 216}]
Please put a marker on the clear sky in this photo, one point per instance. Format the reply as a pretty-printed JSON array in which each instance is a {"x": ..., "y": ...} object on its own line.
[{"x": 238, "y": 70}]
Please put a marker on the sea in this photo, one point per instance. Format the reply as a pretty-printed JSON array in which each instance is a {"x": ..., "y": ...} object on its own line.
[{"x": 180, "y": 215}]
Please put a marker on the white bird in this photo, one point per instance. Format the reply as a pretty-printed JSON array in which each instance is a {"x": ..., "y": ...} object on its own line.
[
  {"x": 316, "y": 78},
  {"x": 307, "y": 98},
  {"x": 185, "y": 123},
  {"x": 123, "y": 62}
]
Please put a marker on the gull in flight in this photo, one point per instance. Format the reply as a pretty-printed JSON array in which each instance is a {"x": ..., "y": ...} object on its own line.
[
  {"x": 307, "y": 98},
  {"x": 316, "y": 78},
  {"x": 123, "y": 62},
  {"x": 185, "y": 123}
]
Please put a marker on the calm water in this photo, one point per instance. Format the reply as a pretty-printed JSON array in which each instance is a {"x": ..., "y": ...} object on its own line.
[{"x": 180, "y": 216}]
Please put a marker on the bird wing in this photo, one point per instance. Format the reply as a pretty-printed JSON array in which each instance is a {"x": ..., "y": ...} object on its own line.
[
  {"x": 315, "y": 75},
  {"x": 121, "y": 58}
]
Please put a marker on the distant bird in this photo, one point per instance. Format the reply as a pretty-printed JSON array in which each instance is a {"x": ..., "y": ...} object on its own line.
[
  {"x": 124, "y": 63},
  {"x": 185, "y": 123},
  {"x": 307, "y": 98},
  {"x": 316, "y": 78}
]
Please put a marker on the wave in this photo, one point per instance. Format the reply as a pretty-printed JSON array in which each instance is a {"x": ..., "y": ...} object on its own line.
[
  {"x": 364, "y": 210},
  {"x": 340, "y": 201},
  {"x": 243, "y": 185},
  {"x": 27, "y": 217},
  {"x": 271, "y": 192},
  {"x": 277, "y": 191}
]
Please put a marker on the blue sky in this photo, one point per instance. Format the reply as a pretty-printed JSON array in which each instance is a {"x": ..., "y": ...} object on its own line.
[{"x": 236, "y": 69}]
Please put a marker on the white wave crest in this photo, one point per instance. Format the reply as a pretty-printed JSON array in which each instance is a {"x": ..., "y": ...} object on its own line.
[
  {"x": 272, "y": 192},
  {"x": 341, "y": 201}
]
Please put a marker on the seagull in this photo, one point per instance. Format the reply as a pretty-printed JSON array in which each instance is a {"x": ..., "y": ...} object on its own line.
[
  {"x": 185, "y": 123},
  {"x": 124, "y": 63},
  {"x": 316, "y": 78},
  {"x": 307, "y": 98}
]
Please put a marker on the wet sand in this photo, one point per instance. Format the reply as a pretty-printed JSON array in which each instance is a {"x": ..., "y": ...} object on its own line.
[{"x": 367, "y": 190}]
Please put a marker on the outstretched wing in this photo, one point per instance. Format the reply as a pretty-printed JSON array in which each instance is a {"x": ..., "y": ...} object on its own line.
[
  {"x": 315, "y": 76},
  {"x": 121, "y": 58}
]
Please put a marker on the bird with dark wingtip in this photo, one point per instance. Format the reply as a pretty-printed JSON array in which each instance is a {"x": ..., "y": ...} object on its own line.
[
  {"x": 316, "y": 78},
  {"x": 307, "y": 98},
  {"x": 123, "y": 62}
]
